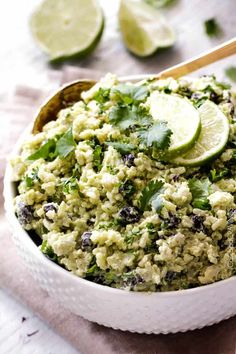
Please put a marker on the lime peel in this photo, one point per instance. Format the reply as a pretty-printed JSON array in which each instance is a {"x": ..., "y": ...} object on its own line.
[
  {"x": 143, "y": 28},
  {"x": 212, "y": 139}
]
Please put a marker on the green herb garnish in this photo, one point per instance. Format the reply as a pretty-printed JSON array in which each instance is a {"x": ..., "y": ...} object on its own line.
[
  {"x": 98, "y": 155},
  {"x": 60, "y": 146},
  {"x": 127, "y": 189},
  {"x": 48, "y": 251},
  {"x": 65, "y": 145},
  {"x": 129, "y": 94},
  {"x": 200, "y": 192},
  {"x": 122, "y": 148},
  {"x": 46, "y": 151},
  {"x": 216, "y": 176},
  {"x": 102, "y": 95},
  {"x": 151, "y": 196},
  {"x": 212, "y": 28},
  {"x": 32, "y": 177},
  {"x": 156, "y": 136}
]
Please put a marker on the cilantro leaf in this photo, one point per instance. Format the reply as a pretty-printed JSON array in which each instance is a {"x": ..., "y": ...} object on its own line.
[
  {"x": 200, "y": 193},
  {"x": 216, "y": 176},
  {"x": 59, "y": 146},
  {"x": 127, "y": 189},
  {"x": 66, "y": 144},
  {"x": 129, "y": 94},
  {"x": 151, "y": 196},
  {"x": 122, "y": 116},
  {"x": 125, "y": 116},
  {"x": 70, "y": 184},
  {"x": 31, "y": 178},
  {"x": 156, "y": 136},
  {"x": 98, "y": 158},
  {"x": 231, "y": 73},
  {"x": 212, "y": 28},
  {"x": 45, "y": 151},
  {"x": 122, "y": 148},
  {"x": 102, "y": 95},
  {"x": 48, "y": 251}
]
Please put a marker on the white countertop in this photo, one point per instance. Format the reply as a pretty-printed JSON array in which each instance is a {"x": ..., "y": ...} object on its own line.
[{"x": 22, "y": 62}]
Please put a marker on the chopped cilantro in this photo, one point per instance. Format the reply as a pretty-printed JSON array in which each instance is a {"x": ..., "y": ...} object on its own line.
[
  {"x": 216, "y": 176},
  {"x": 231, "y": 73},
  {"x": 31, "y": 178},
  {"x": 151, "y": 196},
  {"x": 200, "y": 193},
  {"x": 156, "y": 136},
  {"x": 65, "y": 145},
  {"x": 129, "y": 94},
  {"x": 59, "y": 146},
  {"x": 127, "y": 189},
  {"x": 122, "y": 148},
  {"x": 70, "y": 184},
  {"x": 48, "y": 251},
  {"x": 102, "y": 95},
  {"x": 212, "y": 28},
  {"x": 132, "y": 236},
  {"x": 46, "y": 151},
  {"x": 98, "y": 158}
]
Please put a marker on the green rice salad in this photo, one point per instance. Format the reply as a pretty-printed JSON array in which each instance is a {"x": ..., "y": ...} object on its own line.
[{"x": 107, "y": 192}]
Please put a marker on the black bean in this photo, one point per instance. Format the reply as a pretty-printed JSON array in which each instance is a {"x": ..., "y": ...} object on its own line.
[
  {"x": 172, "y": 222},
  {"x": 25, "y": 213},
  {"x": 176, "y": 178},
  {"x": 197, "y": 95},
  {"x": 214, "y": 97},
  {"x": 50, "y": 207},
  {"x": 129, "y": 160},
  {"x": 86, "y": 242},
  {"x": 171, "y": 275},
  {"x": 198, "y": 223},
  {"x": 129, "y": 215},
  {"x": 132, "y": 280}
]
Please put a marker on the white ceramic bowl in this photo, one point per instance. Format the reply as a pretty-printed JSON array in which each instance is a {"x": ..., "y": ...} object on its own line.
[{"x": 137, "y": 312}]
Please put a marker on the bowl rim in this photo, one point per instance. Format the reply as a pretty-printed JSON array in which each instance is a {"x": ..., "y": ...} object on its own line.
[{"x": 17, "y": 228}]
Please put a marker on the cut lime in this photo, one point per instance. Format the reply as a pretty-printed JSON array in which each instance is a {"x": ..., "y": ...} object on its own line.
[
  {"x": 181, "y": 117},
  {"x": 212, "y": 139},
  {"x": 67, "y": 28},
  {"x": 143, "y": 28}
]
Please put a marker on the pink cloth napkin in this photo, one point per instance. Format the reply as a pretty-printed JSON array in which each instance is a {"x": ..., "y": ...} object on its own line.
[{"x": 87, "y": 337}]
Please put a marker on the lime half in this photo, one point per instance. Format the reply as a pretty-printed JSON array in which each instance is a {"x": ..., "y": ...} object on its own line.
[
  {"x": 143, "y": 28},
  {"x": 212, "y": 139},
  {"x": 67, "y": 28},
  {"x": 181, "y": 117}
]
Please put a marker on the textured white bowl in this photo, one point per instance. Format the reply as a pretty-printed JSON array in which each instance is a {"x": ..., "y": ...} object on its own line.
[{"x": 136, "y": 312}]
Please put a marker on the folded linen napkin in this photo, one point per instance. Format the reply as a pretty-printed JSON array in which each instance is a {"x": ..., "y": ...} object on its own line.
[{"x": 87, "y": 337}]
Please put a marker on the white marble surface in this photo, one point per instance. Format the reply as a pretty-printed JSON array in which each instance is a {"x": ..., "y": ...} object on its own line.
[
  {"x": 21, "y": 332},
  {"x": 22, "y": 62}
]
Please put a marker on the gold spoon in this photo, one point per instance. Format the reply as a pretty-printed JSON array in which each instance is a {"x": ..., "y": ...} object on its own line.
[{"x": 71, "y": 93}]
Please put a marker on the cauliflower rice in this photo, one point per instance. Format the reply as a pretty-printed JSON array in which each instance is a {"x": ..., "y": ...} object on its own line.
[{"x": 89, "y": 198}]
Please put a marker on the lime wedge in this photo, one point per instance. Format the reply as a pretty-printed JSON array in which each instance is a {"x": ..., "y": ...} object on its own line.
[
  {"x": 143, "y": 28},
  {"x": 67, "y": 28},
  {"x": 181, "y": 117},
  {"x": 212, "y": 139}
]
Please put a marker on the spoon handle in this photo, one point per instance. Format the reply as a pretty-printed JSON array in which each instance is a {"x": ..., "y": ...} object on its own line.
[{"x": 217, "y": 53}]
